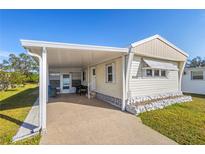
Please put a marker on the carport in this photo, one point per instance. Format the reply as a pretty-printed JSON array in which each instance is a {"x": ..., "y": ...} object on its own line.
[{"x": 53, "y": 55}]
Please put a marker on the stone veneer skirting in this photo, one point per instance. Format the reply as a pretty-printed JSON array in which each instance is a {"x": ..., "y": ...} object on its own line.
[
  {"x": 141, "y": 104},
  {"x": 109, "y": 99}
]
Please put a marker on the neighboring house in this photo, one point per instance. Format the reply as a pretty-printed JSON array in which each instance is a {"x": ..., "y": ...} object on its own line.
[
  {"x": 193, "y": 80},
  {"x": 152, "y": 66}
]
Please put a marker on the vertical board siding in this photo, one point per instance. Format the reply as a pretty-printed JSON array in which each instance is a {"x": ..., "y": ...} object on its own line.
[
  {"x": 158, "y": 49},
  {"x": 139, "y": 85}
]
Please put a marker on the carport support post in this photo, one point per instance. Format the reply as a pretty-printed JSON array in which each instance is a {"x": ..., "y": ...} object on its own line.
[
  {"x": 123, "y": 84},
  {"x": 127, "y": 72},
  {"x": 45, "y": 88},
  {"x": 88, "y": 82},
  {"x": 181, "y": 71}
]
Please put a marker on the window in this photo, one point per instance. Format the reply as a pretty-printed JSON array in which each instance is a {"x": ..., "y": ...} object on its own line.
[
  {"x": 163, "y": 73},
  {"x": 54, "y": 80},
  {"x": 156, "y": 73},
  {"x": 197, "y": 75},
  {"x": 83, "y": 76},
  {"x": 148, "y": 72},
  {"x": 110, "y": 73},
  {"x": 93, "y": 71},
  {"x": 54, "y": 76}
]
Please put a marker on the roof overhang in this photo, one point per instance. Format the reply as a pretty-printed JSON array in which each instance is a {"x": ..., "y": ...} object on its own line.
[{"x": 73, "y": 55}]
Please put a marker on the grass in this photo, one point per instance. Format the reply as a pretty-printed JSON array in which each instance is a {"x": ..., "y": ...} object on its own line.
[
  {"x": 14, "y": 107},
  {"x": 184, "y": 123}
]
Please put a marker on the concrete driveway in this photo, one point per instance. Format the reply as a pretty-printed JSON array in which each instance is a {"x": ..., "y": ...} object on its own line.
[{"x": 74, "y": 119}]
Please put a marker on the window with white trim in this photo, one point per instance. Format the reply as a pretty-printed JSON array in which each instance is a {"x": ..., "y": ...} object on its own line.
[
  {"x": 110, "y": 73},
  {"x": 148, "y": 72},
  {"x": 156, "y": 73},
  {"x": 163, "y": 73},
  {"x": 197, "y": 75}
]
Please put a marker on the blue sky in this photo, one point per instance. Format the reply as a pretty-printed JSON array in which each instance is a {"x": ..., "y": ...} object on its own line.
[{"x": 119, "y": 28}]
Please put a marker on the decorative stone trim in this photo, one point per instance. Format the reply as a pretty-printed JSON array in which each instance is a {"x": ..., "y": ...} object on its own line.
[
  {"x": 140, "y": 99},
  {"x": 109, "y": 99},
  {"x": 139, "y": 108}
]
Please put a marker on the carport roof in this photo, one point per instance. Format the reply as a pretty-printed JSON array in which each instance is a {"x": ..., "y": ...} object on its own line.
[
  {"x": 73, "y": 55},
  {"x": 28, "y": 44}
]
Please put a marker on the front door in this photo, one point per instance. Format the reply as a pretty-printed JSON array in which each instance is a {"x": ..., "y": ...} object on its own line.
[
  {"x": 93, "y": 78},
  {"x": 66, "y": 83}
]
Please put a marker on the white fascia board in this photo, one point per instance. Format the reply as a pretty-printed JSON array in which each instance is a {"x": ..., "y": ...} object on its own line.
[
  {"x": 162, "y": 39},
  {"x": 195, "y": 68},
  {"x": 33, "y": 43}
]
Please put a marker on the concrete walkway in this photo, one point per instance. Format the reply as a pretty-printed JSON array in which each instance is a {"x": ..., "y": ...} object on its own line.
[
  {"x": 29, "y": 124},
  {"x": 73, "y": 119}
]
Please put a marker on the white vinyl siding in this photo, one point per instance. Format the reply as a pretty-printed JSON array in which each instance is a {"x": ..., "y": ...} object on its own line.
[
  {"x": 138, "y": 85},
  {"x": 156, "y": 48},
  {"x": 193, "y": 86},
  {"x": 111, "y": 89}
]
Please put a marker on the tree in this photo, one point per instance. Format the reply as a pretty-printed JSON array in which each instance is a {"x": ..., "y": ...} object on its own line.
[
  {"x": 196, "y": 62},
  {"x": 4, "y": 80},
  {"x": 23, "y": 63},
  {"x": 1, "y": 67},
  {"x": 17, "y": 70},
  {"x": 17, "y": 78},
  {"x": 27, "y": 65}
]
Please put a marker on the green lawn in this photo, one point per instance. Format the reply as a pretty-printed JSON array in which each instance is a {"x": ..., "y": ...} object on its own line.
[
  {"x": 184, "y": 123},
  {"x": 14, "y": 107}
]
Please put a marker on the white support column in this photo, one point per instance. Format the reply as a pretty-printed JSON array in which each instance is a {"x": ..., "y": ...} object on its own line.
[
  {"x": 129, "y": 63},
  {"x": 47, "y": 79},
  {"x": 88, "y": 75},
  {"x": 181, "y": 71},
  {"x": 40, "y": 91},
  {"x": 123, "y": 84},
  {"x": 81, "y": 76},
  {"x": 45, "y": 88}
]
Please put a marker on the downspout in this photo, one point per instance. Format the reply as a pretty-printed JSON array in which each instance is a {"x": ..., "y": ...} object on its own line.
[
  {"x": 40, "y": 90},
  {"x": 127, "y": 78}
]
